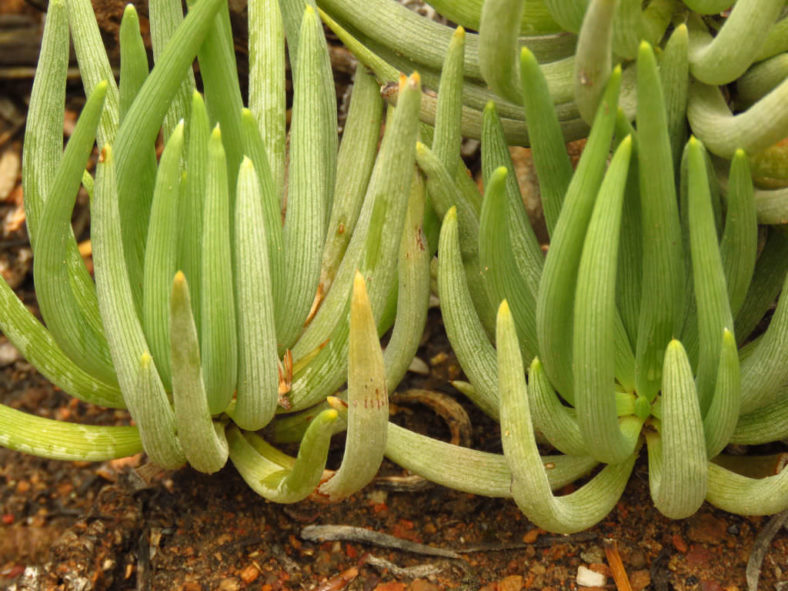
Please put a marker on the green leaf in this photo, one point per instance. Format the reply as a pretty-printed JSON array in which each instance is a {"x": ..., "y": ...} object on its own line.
[
  {"x": 43, "y": 145},
  {"x": 594, "y": 358},
  {"x": 530, "y": 487},
  {"x": 267, "y": 99},
  {"x": 763, "y": 124},
  {"x": 525, "y": 247},
  {"x": 161, "y": 254},
  {"x": 711, "y": 294},
  {"x": 661, "y": 307},
  {"x": 368, "y": 405},
  {"x": 735, "y": 493},
  {"x": 444, "y": 194},
  {"x": 674, "y": 75},
  {"x": 311, "y": 180},
  {"x": 355, "y": 161},
  {"x": 463, "y": 327},
  {"x": 501, "y": 274},
  {"x": 204, "y": 443},
  {"x": 558, "y": 423},
  {"x": 535, "y": 18},
  {"x": 58, "y": 440},
  {"x": 192, "y": 204},
  {"x": 258, "y": 374},
  {"x": 498, "y": 32},
  {"x": 568, "y": 13},
  {"x": 142, "y": 389},
  {"x": 219, "y": 73},
  {"x": 767, "y": 282},
  {"x": 551, "y": 160},
  {"x": 735, "y": 46},
  {"x": 164, "y": 17},
  {"x": 628, "y": 28},
  {"x": 448, "y": 115},
  {"x": 37, "y": 345},
  {"x": 555, "y": 302},
  {"x": 763, "y": 372},
  {"x": 94, "y": 66},
  {"x": 739, "y": 243},
  {"x": 63, "y": 285},
  {"x": 413, "y": 291},
  {"x": 268, "y": 195},
  {"x": 470, "y": 470},
  {"x": 761, "y": 78},
  {"x": 630, "y": 252},
  {"x": 218, "y": 338},
  {"x": 275, "y": 476},
  {"x": 764, "y": 425},
  {"x": 677, "y": 455},
  {"x": 133, "y": 59},
  {"x": 593, "y": 56},
  {"x": 721, "y": 419}
]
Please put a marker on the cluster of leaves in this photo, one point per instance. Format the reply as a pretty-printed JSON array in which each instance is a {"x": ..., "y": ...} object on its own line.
[
  {"x": 655, "y": 268},
  {"x": 203, "y": 319},
  {"x": 235, "y": 284}
]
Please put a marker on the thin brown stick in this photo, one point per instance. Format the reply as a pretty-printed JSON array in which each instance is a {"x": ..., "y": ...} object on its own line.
[{"x": 616, "y": 565}]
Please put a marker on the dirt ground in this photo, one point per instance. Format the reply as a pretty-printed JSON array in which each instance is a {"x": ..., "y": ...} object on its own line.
[{"x": 125, "y": 525}]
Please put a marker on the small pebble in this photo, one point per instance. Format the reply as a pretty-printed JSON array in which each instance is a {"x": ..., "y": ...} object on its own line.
[
  {"x": 229, "y": 584},
  {"x": 588, "y": 578},
  {"x": 419, "y": 366},
  {"x": 8, "y": 354},
  {"x": 249, "y": 573},
  {"x": 593, "y": 554}
]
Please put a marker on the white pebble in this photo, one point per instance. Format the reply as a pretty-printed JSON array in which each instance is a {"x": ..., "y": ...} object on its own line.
[{"x": 588, "y": 578}]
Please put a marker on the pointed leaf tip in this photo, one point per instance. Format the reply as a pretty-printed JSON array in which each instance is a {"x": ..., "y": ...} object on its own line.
[
  {"x": 675, "y": 345},
  {"x": 503, "y": 310},
  {"x": 336, "y": 403}
]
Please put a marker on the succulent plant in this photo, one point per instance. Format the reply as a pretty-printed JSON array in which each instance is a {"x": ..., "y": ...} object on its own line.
[
  {"x": 233, "y": 281},
  {"x": 637, "y": 328},
  {"x": 577, "y": 44}
]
